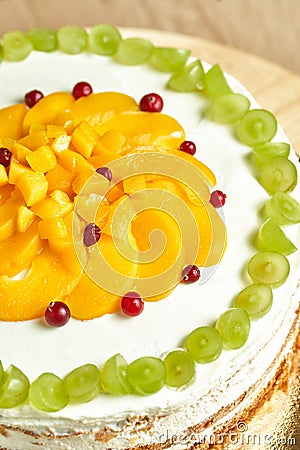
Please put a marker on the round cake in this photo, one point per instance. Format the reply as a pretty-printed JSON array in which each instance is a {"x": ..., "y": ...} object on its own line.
[{"x": 246, "y": 295}]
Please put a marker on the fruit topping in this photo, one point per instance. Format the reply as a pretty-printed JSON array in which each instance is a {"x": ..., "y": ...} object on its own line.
[
  {"x": 187, "y": 79},
  {"x": 229, "y": 108},
  {"x": 215, "y": 83},
  {"x": 106, "y": 172},
  {"x": 82, "y": 89},
  {"x": 5, "y": 156},
  {"x": 132, "y": 304},
  {"x": 278, "y": 175},
  {"x": 113, "y": 376},
  {"x": 104, "y": 39},
  {"x": 188, "y": 147},
  {"x": 169, "y": 59},
  {"x": 43, "y": 40},
  {"x": 32, "y": 97},
  {"x": 257, "y": 126},
  {"x": 204, "y": 344},
  {"x": 283, "y": 209},
  {"x": 133, "y": 51},
  {"x": 72, "y": 39},
  {"x": 47, "y": 393},
  {"x": 234, "y": 327},
  {"x": 151, "y": 103},
  {"x": 57, "y": 314},
  {"x": 146, "y": 375},
  {"x": 256, "y": 299},
  {"x": 180, "y": 368},
  {"x": 271, "y": 238},
  {"x": 14, "y": 388},
  {"x": 270, "y": 268},
  {"x": 217, "y": 199},
  {"x": 91, "y": 234},
  {"x": 16, "y": 46},
  {"x": 190, "y": 274},
  {"x": 81, "y": 385}
]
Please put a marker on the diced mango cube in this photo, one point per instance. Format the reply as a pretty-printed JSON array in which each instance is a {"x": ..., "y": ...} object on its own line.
[
  {"x": 84, "y": 139},
  {"x": 73, "y": 161},
  {"x": 61, "y": 143},
  {"x": 33, "y": 186},
  {"x": 65, "y": 120},
  {"x": 48, "y": 208},
  {"x": 24, "y": 218},
  {"x": 81, "y": 179},
  {"x": 54, "y": 228},
  {"x": 16, "y": 170},
  {"x": 37, "y": 127},
  {"x": 70, "y": 260},
  {"x": 42, "y": 159},
  {"x": 134, "y": 184},
  {"x": 60, "y": 196},
  {"x": 113, "y": 141},
  {"x": 35, "y": 140},
  {"x": 3, "y": 176},
  {"x": 54, "y": 131},
  {"x": 20, "y": 152},
  {"x": 5, "y": 192},
  {"x": 60, "y": 178},
  {"x": 60, "y": 245}
]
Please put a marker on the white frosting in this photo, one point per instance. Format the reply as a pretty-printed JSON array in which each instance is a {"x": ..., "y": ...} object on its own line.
[{"x": 163, "y": 325}]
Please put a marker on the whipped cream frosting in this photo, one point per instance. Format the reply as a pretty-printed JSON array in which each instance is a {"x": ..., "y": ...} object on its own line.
[{"x": 163, "y": 326}]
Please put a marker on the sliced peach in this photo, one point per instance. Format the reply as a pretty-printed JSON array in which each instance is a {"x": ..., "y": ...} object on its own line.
[
  {"x": 19, "y": 250},
  {"x": 8, "y": 214},
  {"x": 48, "y": 280},
  {"x": 102, "y": 156},
  {"x": 207, "y": 173},
  {"x": 5, "y": 193},
  {"x": 35, "y": 140},
  {"x": 60, "y": 178},
  {"x": 84, "y": 139},
  {"x": 42, "y": 160},
  {"x": 46, "y": 110},
  {"x": 11, "y": 121},
  {"x": 24, "y": 218},
  {"x": 142, "y": 128},
  {"x": 3, "y": 176},
  {"x": 96, "y": 107}
]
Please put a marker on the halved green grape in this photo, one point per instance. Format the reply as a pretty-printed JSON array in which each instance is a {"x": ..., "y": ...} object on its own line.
[
  {"x": 16, "y": 46},
  {"x": 146, "y": 375},
  {"x": 279, "y": 175},
  {"x": 263, "y": 153},
  {"x": 169, "y": 59},
  {"x": 82, "y": 383},
  {"x": 255, "y": 299},
  {"x": 204, "y": 344},
  {"x": 234, "y": 327},
  {"x": 187, "y": 79},
  {"x": 180, "y": 368},
  {"x": 229, "y": 108},
  {"x": 48, "y": 393},
  {"x": 43, "y": 40},
  {"x": 257, "y": 127},
  {"x": 271, "y": 238},
  {"x": 133, "y": 51},
  {"x": 72, "y": 39},
  {"x": 14, "y": 388},
  {"x": 113, "y": 376},
  {"x": 215, "y": 83},
  {"x": 104, "y": 39},
  {"x": 283, "y": 209},
  {"x": 270, "y": 268}
]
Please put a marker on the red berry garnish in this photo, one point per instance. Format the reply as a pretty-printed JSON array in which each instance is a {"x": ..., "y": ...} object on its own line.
[
  {"x": 5, "y": 156},
  {"x": 151, "y": 103},
  {"x": 105, "y": 171},
  {"x": 91, "y": 234},
  {"x": 32, "y": 97},
  {"x": 132, "y": 304},
  {"x": 217, "y": 199},
  {"x": 57, "y": 314},
  {"x": 188, "y": 147},
  {"x": 190, "y": 274},
  {"x": 82, "y": 89}
]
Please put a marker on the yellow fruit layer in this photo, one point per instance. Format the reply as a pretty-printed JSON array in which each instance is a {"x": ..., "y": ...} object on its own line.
[{"x": 56, "y": 147}]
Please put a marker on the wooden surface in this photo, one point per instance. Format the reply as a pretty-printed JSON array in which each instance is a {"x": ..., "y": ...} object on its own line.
[{"x": 268, "y": 28}]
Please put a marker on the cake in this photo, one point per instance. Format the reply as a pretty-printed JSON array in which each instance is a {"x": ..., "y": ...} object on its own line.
[{"x": 224, "y": 392}]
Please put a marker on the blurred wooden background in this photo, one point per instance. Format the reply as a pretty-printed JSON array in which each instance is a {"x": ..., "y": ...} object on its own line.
[{"x": 267, "y": 28}]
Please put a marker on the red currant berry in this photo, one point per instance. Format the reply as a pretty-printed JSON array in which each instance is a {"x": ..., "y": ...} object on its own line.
[
  {"x": 105, "y": 171},
  {"x": 188, "y": 147},
  {"x": 57, "y": 314},
  {"x": 151, "y": 103},
  {"x": 190, "y": 274},
  {"x": 32, "y": 97},
  {"x": 5, "y": 156},
  {"x": 217, "y": 199},
  {"x": 132, "y": 304},
  {"x": 91, "y": 234},
  {"x": 82, "y": 89}
]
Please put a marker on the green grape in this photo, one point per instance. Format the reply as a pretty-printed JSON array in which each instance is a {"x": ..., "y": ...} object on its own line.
[
  {"x": 82, "y": 383},
  {"x": 72, "y": 39},
  {"x": 255, "y": 299},
  {"x": 133, "y": 51},
  {"x": 146, "y": 375},
  {"x": 188, "y": 79},
  {"x": 180, "y": 368},
  {"x": 271, "y": 238},
  {"x": 43, "y": 40},
  {"x": 16, "y": 46},
  {"x": 104, "y": 39},
  {"x": 257, "y": 127},
  {"x": 169, "y": 59},
  {"x": 263, "y": 153},
  {"x": 14, "y": 387},
  {"x": 234, "y": 327},
  {"x": 283, "y": 209},
  {"x": 1, "y": 372},
  {"x": 279, "y": 175},
  {"x": 229, "y": 108},
  {"x": 113, "y": 376},
  {"x": 48, "y": 393},
  {"x": 270, "y": 268},
  {"x": 204, "y": 344},
  {"x": 215, "y": 83}
]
